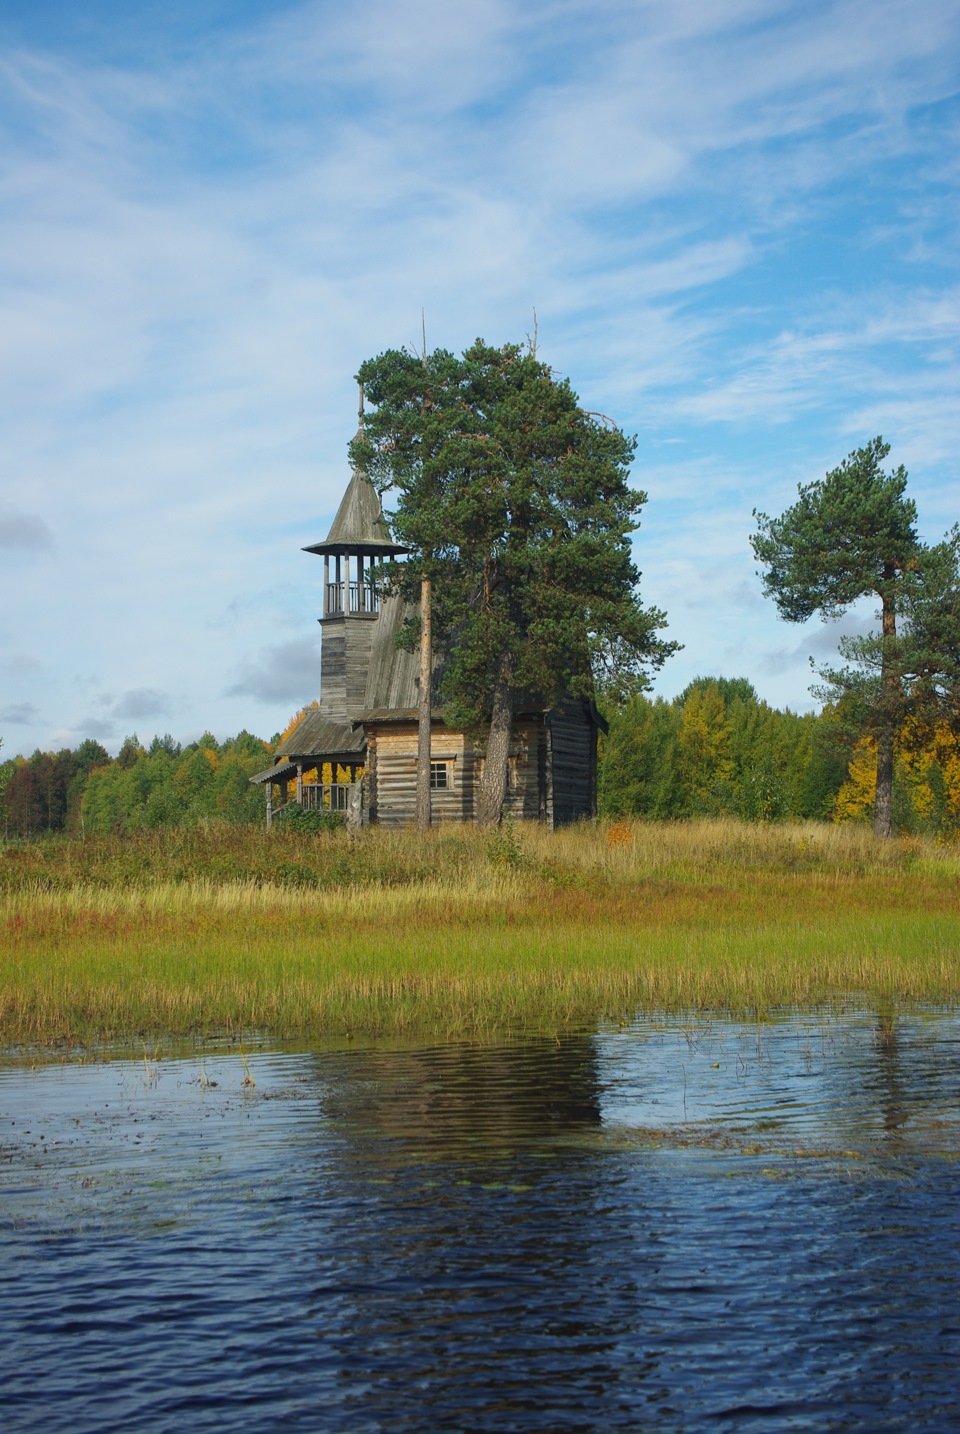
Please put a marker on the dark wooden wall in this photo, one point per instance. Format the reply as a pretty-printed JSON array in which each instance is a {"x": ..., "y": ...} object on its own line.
[{"x": 572, "y": 763}]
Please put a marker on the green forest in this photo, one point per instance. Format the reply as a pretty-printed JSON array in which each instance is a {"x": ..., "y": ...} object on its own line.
[
  {"x": 142, "y": 788},
  {"x": 717, "y": 749}
]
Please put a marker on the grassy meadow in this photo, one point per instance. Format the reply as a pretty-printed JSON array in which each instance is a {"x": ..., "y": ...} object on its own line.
[{"x": 232, "y": 929}]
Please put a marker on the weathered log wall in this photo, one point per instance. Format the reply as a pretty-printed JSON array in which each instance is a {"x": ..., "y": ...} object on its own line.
[
  {"x": 392, "y": 764},
  {"x": 526, "y": 794},
  {"x": 344, "y": 660},
  {"x": 392, "y": 773},
  {"x": 552, "y": 774}
]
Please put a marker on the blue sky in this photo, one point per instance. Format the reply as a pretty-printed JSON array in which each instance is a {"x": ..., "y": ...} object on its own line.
[{"x": 737, "y": 222}]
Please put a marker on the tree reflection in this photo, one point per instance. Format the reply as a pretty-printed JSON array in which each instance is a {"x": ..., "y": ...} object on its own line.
[{"x": 891, "y": 1096}]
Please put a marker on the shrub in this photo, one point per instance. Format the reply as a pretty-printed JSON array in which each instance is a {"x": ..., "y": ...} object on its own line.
[{"x": 298, "y": 819}]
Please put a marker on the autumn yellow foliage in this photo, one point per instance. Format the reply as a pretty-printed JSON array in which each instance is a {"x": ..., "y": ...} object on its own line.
[
  {"x": 854, "y": 801},
  {"x": 927, "y": 770},
  {"x": 297, "y": 717},
  {"x": 703, "y": 747},
  {"x": 930, "y": 763}
]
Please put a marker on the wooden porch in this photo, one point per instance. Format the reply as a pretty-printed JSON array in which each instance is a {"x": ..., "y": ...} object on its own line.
[{"x": 347, "y": 798}]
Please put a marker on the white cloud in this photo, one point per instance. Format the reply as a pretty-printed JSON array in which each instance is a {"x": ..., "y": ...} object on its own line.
[{"x": 202, "y": 243}]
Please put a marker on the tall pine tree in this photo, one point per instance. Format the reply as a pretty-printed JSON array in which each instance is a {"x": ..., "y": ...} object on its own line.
[
  {"x": 514, "y": 502},
  {"x": 850, "y": 535}
]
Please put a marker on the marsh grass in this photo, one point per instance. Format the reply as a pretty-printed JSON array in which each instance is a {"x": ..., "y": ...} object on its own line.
[{"x": 460, "y": 931}]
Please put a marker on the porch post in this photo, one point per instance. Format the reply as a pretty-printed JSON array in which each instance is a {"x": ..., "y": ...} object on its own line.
[{"x": 269, "y": 791}]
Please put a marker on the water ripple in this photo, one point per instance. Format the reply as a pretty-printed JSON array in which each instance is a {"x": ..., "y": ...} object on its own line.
[{"x": 670, "y": 1226}]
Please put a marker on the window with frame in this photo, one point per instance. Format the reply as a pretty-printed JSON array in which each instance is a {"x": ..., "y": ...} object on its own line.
[{"x": 440, "y": 776}]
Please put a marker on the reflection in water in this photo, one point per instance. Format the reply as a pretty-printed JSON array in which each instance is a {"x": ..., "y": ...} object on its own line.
[
  {"x": 674, "y": 1226},
  {"x": 445, "y": 1099},
  {"x": 480, "y": 1228},
  {"x": 894, "y": 1108}
]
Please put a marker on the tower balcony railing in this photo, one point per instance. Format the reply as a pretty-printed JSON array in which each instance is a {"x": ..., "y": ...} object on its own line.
[{"x": 352, "y": 598}]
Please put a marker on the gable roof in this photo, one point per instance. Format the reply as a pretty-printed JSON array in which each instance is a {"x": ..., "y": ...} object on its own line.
[{"x": 393, "y": 675}]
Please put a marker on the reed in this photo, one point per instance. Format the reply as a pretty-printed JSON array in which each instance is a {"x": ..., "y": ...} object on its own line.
[{"x": 460, "y": 930}]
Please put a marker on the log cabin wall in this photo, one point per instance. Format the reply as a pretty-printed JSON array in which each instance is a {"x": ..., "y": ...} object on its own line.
[
  {"x": 392, "y": 773},
  {"x": 572, "y": 764},
  {"x": 392, "y": 764}
]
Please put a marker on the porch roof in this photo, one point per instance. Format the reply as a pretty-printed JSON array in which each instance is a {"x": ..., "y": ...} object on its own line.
[
  {"x": 282, "y": 772},
  {"x": 317, "y": 738}
]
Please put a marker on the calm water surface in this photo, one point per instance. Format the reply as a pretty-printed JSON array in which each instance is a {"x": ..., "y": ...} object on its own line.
[{"x": 669, "y": 1226}]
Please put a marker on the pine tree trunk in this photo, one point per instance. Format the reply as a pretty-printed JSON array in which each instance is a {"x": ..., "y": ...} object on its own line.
[
  {"x": 883, "y": 805},
  {"x": 496, "y": 766},
  {"x": 423, "y": 813}
]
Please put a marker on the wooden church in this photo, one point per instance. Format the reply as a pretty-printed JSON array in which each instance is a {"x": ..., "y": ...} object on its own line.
[{"x": 366, "y": 722}]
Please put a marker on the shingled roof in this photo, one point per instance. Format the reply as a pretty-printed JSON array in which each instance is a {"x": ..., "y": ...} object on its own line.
[
  {"x": 316, "y": 736},
  {"x": 359, "y": 526}
]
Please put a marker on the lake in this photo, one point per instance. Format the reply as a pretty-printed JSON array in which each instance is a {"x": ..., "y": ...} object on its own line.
[{"x": 676, "y": 1225}]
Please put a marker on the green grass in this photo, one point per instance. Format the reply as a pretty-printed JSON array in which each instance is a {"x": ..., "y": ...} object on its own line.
[{"x": 463, "y": 931}]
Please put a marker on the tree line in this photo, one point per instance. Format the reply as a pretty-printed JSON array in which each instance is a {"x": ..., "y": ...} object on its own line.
[
  {"x": 514, "y": 506},
  {"x": 715, "y": 750},
  {"x": 719, "y": 750},
  {"x": 162, "y": 785}
]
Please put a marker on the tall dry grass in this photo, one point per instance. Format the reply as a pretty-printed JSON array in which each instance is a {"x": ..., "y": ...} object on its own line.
[{"x": 461, "y": 929}]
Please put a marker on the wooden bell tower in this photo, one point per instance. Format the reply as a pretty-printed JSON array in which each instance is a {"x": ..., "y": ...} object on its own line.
[{"x": 353, "y": 552}]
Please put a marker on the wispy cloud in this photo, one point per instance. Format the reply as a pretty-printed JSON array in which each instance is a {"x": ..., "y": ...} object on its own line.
[
  {"x": 735, "y": 222},
  {"x": 24, "y": 533},
  {"x": 279, "y": 674}
]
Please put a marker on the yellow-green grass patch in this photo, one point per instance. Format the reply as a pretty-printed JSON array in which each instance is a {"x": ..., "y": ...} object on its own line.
[{"x": 463, "y": 931}]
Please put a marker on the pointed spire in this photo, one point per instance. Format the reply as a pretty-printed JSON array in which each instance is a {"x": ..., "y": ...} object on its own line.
[{"x": 359, "y": 526}]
